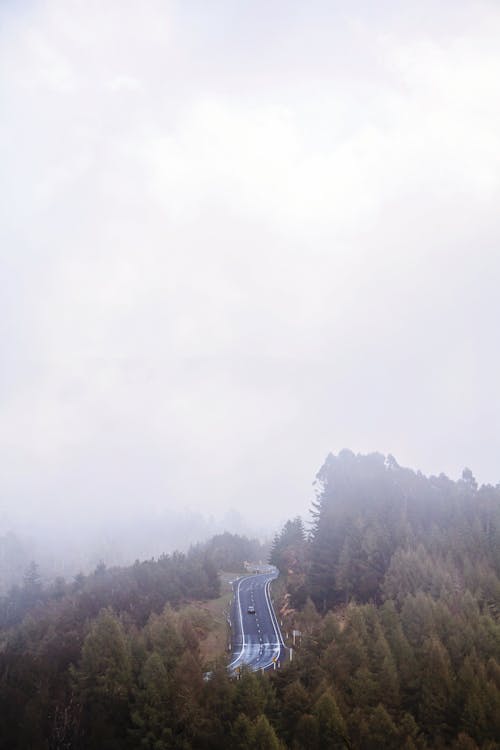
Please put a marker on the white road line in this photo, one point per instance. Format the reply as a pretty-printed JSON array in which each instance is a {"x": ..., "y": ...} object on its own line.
[
  {"x": 263, "y": 647},
  {"x": 279, "y": 638},
  {"x": 241, "y": 622}
]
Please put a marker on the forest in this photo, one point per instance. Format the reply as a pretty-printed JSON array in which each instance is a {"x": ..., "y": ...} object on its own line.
[{"x": 394, "y": 587}]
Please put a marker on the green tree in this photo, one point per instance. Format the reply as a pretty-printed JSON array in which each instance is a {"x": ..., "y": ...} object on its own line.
[
  {"x": 332, "y": 729},
  {"x": 436, "y": 707},
  {"x": 242, "y": 733},
  {"x": 103, "y": 683},
  {"x": 264, "y": 736},
  {"x": 250, "y": 698},
  {"x": 152, "y": 716},
  {"x": 296, "y": 702},
  {"x": 306, "y": 735},
  {"x": 382, "y": 731}
]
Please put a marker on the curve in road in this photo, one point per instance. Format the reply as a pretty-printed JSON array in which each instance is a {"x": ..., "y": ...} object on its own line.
[{"x": 256, "y": 637}]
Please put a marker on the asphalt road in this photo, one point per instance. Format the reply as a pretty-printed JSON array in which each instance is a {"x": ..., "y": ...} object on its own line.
[{"x": 256, "y": 638}]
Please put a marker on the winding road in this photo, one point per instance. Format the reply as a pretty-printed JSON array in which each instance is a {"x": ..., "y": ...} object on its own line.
[{"x": 257, "y": 642}]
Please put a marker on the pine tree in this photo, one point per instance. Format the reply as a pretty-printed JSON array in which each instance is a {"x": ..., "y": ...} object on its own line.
[
  {"x": 103, "y": 683},
  {"x": 306, "y": 736},
  {"x": 382, "y": 731},
  {"x": 250, "y": 698},
  {"x": 264, "y": 736},
  {"x": 242, "y": 733},
  {"x": 332, "y": 730},
  {"x": 435, "y": 709},
  {"x": 152, "y": 716},
  {"x": 295, "y": 702}
]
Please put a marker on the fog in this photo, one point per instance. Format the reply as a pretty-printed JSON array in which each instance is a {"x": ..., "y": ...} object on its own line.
[{"x": 234, "y": 237}]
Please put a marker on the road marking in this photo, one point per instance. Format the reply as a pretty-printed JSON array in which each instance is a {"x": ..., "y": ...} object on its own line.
[
  {"x": 270, "y": 607},
  {"x": 250, "y": 584},
  {"x": 241, "y": 622}
]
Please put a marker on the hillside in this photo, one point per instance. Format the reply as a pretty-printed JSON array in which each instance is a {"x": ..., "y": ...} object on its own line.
[{"x": 395, "y": 592}]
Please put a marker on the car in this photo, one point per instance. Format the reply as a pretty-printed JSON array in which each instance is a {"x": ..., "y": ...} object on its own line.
[{"x": 251, "y": 609}]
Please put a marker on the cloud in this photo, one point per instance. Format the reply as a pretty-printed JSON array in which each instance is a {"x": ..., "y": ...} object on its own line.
[{"x": 234, "y": 241}]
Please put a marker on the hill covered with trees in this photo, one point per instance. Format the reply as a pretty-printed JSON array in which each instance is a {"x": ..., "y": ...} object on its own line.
[
  {"x": 395, "y": 589},
  {"x": 111, "y": 659}
]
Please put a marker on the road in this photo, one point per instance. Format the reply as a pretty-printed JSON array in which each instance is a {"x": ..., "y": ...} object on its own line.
[{"x": 256, "y": 638}]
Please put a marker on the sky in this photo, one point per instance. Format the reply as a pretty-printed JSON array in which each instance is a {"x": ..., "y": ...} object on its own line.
[{"x": 235, "y": 236}]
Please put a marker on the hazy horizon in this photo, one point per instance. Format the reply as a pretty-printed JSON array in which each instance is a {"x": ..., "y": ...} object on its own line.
[{"x": 235, "y": 238}]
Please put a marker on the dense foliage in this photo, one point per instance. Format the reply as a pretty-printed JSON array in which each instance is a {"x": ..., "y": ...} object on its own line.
[
  {"x": 396, "y": 593},
  {"x": 137, "y": 590},
  {"x": 384, "y": 531},
  {"x": 408, "y": 568}
]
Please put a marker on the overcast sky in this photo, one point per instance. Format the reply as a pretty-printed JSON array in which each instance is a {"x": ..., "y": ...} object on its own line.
[{"x": 237, "y": 235}]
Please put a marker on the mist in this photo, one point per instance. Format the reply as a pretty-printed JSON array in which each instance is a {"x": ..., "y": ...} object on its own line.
[{"x": 233, "y": 238}]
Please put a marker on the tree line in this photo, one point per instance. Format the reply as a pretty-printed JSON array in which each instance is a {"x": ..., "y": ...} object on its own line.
[{"x": 394, "y": 587}]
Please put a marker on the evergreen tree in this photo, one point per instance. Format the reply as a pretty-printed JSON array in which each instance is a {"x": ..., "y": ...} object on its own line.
[
  {"x": 382, "y": 731},
  {"x": 264, "y": 736},
  {"x": 296, "y": 702},
  {"x": 103, "y": 683},
  {"x": 152, "y": 717},
  {"x": 332, "y": 730}
]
